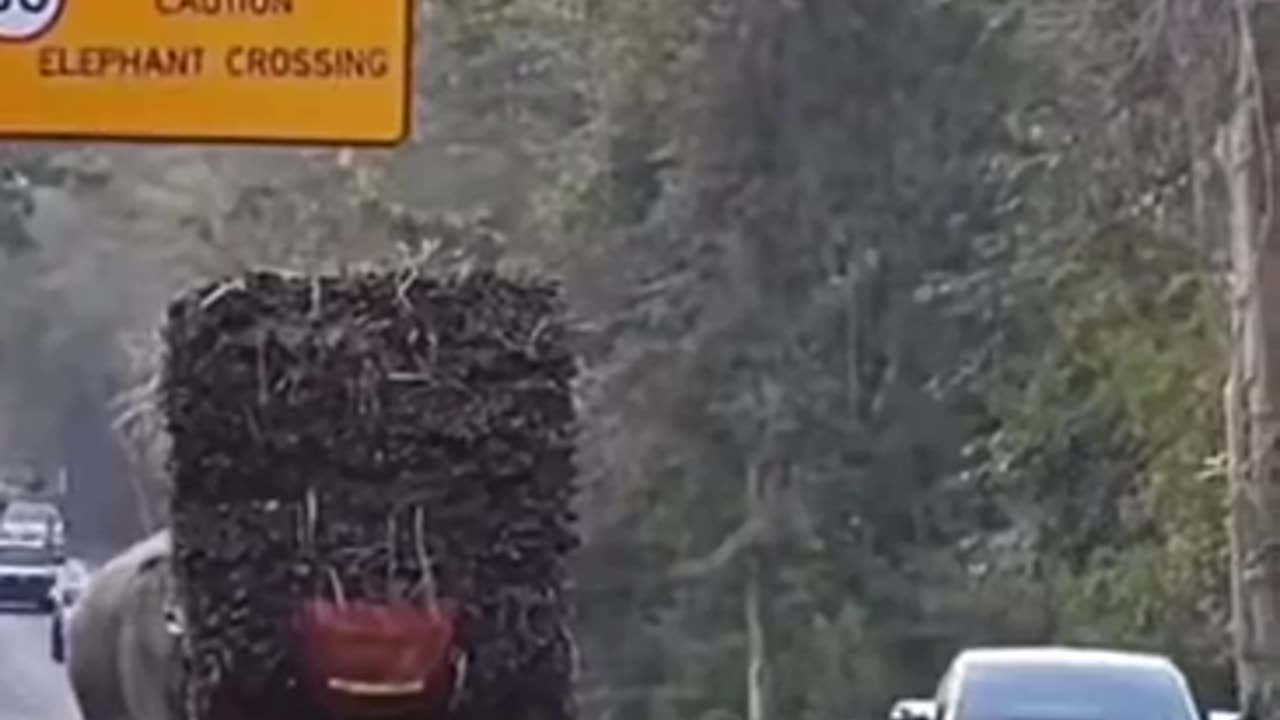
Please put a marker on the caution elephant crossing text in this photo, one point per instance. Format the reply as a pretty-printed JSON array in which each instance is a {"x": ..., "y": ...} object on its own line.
[{"x": 323, "y": 71}]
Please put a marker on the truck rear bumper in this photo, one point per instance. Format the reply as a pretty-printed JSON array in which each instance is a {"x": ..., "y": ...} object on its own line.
[{"x": 28, "y": 590}]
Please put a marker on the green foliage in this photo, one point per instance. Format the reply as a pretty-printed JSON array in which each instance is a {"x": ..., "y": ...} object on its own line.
[
  {"x": 1105, "y": 438},
  {"x": 854, "y": 250},
  {"x": 768, "y": 330},
  {"x": 1105, "y": 380}
]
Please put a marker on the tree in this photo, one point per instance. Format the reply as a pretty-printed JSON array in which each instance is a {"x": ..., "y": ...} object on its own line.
[
  {"x": 762, "y": 405},
  {"x": 1246, "y": 155}
]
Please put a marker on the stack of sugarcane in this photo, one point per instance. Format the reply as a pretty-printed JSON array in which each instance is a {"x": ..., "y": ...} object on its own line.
[{"x": 376, "y": 425}]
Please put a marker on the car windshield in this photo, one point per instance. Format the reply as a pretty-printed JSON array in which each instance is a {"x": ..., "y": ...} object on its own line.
[
  {"x": 14, "y": 555},
  {"x": 30, "y": 513},
  {"x": 1071, "y": 692}
]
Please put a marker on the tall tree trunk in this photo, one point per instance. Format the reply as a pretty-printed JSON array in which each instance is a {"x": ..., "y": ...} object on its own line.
[
  {"x": 1244, "y": 152},
  {"x": 756, "y": 707}
]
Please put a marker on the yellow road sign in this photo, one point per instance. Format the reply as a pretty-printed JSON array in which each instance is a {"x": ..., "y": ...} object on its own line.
[{"x": 306, "y": 71}]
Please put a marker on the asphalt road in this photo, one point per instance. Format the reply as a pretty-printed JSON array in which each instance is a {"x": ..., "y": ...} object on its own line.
[{"x": 32, "y": 686}]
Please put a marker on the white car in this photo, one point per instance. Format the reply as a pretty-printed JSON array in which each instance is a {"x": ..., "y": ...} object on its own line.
[
  {"x": 1035, "y": 683},
  {"x": 28, "y": 574},
  {"x": 25, "y": 522}
]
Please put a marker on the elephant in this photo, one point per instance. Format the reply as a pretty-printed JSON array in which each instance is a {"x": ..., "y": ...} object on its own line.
[{"x": 124, "y": 655}]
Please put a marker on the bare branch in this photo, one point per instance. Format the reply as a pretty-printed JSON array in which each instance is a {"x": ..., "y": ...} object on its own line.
[{"x": 726, "y": 552}]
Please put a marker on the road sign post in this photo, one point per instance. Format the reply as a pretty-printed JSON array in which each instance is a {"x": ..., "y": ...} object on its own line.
[{"x": 277, "y": 71}]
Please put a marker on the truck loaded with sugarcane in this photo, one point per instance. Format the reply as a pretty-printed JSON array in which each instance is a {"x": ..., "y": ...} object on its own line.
[{"x": 370, "y": 515}]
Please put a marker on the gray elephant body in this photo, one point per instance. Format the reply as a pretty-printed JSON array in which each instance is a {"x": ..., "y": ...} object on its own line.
[{"x": 122, "y": 657}]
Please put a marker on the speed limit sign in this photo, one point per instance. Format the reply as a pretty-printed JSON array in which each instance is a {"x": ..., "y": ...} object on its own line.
[{"x": 24, "y": 20}]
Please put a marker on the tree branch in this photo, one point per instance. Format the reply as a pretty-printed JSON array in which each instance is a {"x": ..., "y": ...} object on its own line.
[{"x": 728, "y": 550}]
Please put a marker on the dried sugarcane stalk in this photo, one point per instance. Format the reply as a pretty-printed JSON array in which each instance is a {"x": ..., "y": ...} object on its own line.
[{"x": 287, "y": 406}]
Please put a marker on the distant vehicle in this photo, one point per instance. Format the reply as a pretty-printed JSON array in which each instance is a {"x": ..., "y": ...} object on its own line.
[
  {"x": 21, "y": 481},
  {"x": 1057, "y": 683},
  {"x": 28, "y": 575},
  {"x": 32, "y": 524},
  {"x": 65, "y": 594}
]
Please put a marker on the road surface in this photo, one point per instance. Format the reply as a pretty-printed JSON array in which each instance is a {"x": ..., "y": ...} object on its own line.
[{"x": 32, "y": 686}]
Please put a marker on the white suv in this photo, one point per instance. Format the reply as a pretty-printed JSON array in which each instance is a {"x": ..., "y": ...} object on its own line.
[
  {"x": 1043, "y": 683},
  {"x": 24, "y": 522},
  {"x": 27, "y": 575}
]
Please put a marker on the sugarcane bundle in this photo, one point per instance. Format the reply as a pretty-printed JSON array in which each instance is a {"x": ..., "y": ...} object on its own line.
[{"x": 372, "y": 431}]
